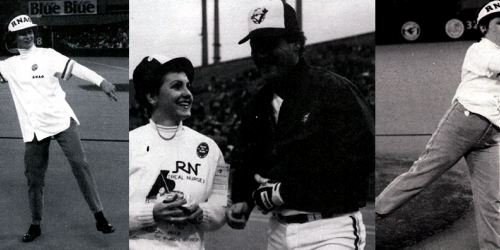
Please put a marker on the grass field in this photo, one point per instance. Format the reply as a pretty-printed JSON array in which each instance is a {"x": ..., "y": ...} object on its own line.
[
  {"x": 68, "y": 223},
  {"x": 432, "y": 211}
]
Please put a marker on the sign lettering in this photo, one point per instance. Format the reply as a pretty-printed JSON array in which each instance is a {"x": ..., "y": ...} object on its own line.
[{"x": 61, "y": 8}]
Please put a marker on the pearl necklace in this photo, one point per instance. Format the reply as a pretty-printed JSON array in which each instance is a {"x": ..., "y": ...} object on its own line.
[{"x": 166, "y": 138}]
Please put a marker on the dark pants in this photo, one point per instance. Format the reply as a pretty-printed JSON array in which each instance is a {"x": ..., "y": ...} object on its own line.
[{"x": 36, "y": 159}]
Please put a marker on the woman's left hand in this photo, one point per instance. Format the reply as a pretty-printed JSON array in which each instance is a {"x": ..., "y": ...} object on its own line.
[
  {"x": 109, "y": 89},
  {"x": 194, "y": 213}
]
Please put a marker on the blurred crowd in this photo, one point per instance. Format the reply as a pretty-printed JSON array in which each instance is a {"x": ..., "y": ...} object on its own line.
[
  {"x": 219, "y": 100},
  {"x": 94, "y": 37}
]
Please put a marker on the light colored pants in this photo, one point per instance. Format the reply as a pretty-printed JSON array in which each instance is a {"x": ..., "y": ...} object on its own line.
[
  {"x": 346, "y": 232},
  {"x": 459, "y": 134},
  {"x": 36, "y": 159}
]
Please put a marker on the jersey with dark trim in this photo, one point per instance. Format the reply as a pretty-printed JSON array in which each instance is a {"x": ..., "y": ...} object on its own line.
[{"x": 38, "y": 97}]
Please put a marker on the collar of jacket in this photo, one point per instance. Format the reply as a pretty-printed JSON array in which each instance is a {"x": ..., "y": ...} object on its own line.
[
  {"x": 24, "y": 53},
  {"x": 291, "y": 82}
]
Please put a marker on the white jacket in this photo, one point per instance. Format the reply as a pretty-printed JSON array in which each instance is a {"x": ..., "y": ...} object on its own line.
[
  {"x": 40, "y": 102},
  {"x": 479, "y": 91},
  {"x": 186, "y": 164}
]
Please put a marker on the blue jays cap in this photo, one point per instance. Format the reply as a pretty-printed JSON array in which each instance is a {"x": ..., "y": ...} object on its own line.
[{"x": 271, "y": 18}]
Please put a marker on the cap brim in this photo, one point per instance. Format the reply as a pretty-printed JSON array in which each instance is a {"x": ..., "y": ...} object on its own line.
[
  {"x": 488, "y": 17},
  {"x": 244, "y": 39},
  {"x": 264, "y": 32}
]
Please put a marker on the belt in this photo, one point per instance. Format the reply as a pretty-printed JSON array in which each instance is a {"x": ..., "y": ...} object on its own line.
[{"x": 303, "y": 218}]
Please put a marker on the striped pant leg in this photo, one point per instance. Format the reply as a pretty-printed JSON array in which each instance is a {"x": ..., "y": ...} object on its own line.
[{"x": 343, "y": 232}]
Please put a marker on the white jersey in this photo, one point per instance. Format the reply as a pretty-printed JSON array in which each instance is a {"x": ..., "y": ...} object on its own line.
[
  {"x": 185, "y": 165},
  {"x": 479, "y": 91},
  {"x": 40, "y": 102}
]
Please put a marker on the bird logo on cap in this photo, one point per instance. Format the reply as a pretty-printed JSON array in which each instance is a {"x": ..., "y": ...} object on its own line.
[{"x": 259, "y": 15}]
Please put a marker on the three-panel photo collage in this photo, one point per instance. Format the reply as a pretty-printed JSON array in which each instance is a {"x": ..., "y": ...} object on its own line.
[{"x": 250, "y": 124}]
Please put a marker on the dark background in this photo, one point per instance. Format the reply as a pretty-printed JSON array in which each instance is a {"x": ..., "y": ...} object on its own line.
[{"x": 430, "y": 15}]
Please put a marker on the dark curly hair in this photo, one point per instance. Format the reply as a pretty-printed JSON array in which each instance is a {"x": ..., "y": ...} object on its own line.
[{"x": 149, "y": 75}]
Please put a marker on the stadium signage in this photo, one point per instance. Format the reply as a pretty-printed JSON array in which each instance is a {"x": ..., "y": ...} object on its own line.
[{"x": 61, "y": 8}]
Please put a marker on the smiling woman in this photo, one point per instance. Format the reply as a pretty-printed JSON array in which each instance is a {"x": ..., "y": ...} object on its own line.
[
  {"x": 173, "y": 102},
  {"x": 171, "y": 196},
  {"x": 24, "y": 38},
  {"x": 163, "y": 88}
]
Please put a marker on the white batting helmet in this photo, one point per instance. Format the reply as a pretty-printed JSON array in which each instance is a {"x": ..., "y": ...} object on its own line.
[
  {"x": 488, "y": 9},
  {"x": 19, "y": 23}
]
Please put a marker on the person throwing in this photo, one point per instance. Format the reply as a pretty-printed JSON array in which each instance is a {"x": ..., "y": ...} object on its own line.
[{"x": 33, "y": 77}]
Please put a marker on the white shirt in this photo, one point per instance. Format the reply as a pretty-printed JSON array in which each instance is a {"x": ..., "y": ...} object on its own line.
[
  {"x": 479, "y": 91},
  {"x": 185, "y": 164},
  {"x": 40, "y": 102},
  {"x": 276, "y": 104}
]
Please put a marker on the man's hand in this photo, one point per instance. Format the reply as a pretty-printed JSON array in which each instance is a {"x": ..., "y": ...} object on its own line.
[
  {"x": 267, "y": 197},
  {"x": 237, "y": 215},
  {"x": 109, "y": 89}
]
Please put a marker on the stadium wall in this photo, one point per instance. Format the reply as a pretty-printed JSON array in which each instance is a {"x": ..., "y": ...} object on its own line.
[{"x": 102, "y": 24}]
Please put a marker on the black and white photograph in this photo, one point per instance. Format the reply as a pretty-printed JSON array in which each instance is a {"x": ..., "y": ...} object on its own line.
[
  {"x": 63, "y": 126},
  {"x": 437, "y": 116},
  {"x": 252, "y": 124}
]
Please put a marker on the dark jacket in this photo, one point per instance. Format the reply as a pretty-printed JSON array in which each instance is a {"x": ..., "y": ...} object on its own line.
[{"x": 321, "y": 150}]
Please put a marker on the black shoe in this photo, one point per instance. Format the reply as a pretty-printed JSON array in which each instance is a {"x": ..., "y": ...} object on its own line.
[
  {"x": 32, "y": 233},
  {"x": 105, "y": 228}
]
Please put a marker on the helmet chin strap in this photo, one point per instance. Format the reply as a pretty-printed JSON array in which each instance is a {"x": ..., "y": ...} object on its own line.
[
  {"x": 11, "y": 50},
  {"x": 16, "y": 50}
]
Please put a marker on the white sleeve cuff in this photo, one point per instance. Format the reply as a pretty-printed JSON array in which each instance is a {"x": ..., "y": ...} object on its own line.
[
  {"x": 214, "y": 217},
  {"x": 141, "y": 215},
  {"x": 84, "y": 73}
]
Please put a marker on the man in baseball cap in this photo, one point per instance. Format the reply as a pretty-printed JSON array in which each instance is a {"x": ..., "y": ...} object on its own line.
[{"x": 306, "y": 143}]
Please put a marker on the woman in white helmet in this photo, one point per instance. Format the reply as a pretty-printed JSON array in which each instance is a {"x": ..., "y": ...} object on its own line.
[
  {"x": 175, "y": 189},
  {"x": 469, "y": 129},
  {"x": 33, "y": 78}
]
